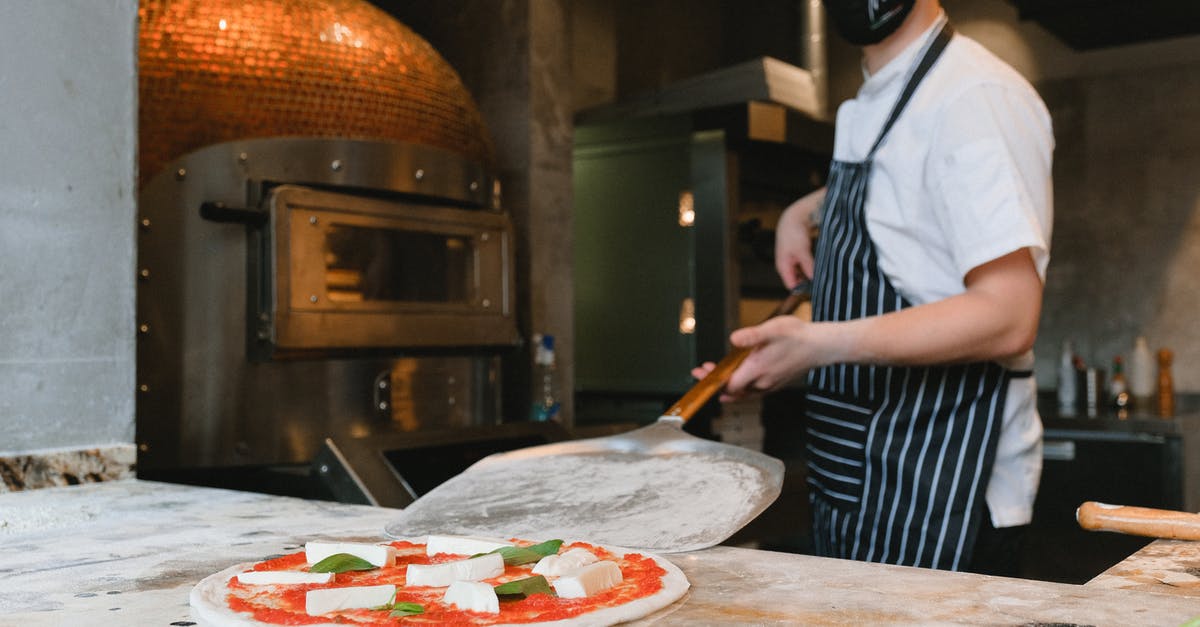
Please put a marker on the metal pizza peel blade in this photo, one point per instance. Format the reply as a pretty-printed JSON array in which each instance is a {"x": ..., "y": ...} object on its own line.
[{"x": 656, "y": 488}]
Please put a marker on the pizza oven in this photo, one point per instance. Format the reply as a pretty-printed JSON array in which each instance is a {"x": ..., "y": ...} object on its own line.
[{"x": 323, "y": 253}]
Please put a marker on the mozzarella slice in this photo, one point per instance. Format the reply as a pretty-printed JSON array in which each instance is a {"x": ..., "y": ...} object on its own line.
[
  {"x": 264, "y": 577},
  {"x": 588, "y": 580},
  {"x": 473, "y": 596},
  {"x": 462, "y": 545},
  {"x": 377, "y": 554},
  {"x": 558, "y": 565},
  {"x": 326, "y": 600},
  {"x": 442, "y": 575}
]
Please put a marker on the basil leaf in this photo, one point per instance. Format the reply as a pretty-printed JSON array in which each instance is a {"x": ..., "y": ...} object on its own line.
[
  {"x": 400, "y": 610},
  {"x": 340, "y": 563},
  {"x": 517, "y": 555},
  {"x": 521, "y": 588}
]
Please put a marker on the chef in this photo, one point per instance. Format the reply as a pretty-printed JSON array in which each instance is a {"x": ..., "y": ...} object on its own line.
[{"x": 923, "y": 441}]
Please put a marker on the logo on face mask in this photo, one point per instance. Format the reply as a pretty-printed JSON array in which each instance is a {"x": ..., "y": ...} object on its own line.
[{"x": 865, "y": 22}]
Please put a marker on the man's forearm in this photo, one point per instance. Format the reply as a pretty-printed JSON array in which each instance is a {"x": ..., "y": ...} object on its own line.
[{"x": 995, "y": 318}]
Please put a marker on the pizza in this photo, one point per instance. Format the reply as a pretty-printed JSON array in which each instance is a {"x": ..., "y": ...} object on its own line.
[{"x": 441, "y": 580}]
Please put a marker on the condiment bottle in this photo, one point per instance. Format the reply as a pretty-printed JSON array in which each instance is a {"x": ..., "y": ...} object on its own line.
[
  {"x": 1118, "y": 388},
  {"x": 1068, "y": 383},
  {"x": 1117, "y": 384},
  {"x": 1141, "y": 375},
  {"x": 1092, "y": 390},
  {"x": 1166, "y": 386}
]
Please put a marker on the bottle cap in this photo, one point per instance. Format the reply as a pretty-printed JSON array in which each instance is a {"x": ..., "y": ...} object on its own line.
[{"x": 544, "y": 353}]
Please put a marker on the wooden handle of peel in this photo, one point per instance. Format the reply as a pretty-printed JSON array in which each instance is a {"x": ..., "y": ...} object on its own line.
[
  {"x": 1139, "y": 521},
  {"x": 695, "y": 398}
]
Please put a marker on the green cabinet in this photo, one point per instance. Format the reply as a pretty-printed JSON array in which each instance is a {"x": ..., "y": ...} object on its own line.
[
  {"x": 657, "y": 270},
  {"x": 651, "y": 239}
]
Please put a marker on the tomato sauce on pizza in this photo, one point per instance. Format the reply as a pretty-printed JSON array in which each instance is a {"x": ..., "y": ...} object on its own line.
[{"x": 642, "y": 577}]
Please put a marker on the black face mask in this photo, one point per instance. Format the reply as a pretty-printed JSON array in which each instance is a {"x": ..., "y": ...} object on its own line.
[{"x": 865, "y": 22}]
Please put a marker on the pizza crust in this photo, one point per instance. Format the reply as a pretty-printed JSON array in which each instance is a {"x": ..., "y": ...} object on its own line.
[{"x": 207, "y": 600}]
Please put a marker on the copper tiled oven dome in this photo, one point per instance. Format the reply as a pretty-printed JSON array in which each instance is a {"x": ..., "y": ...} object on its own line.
[{"x": 213, "y": 71}]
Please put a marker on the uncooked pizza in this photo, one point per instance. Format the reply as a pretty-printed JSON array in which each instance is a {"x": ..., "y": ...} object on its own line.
[{"x": 440, "y": 580}]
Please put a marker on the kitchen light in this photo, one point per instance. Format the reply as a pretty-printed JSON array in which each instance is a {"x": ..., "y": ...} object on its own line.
[
  {"x": 687, "y": 209},
  {"x": 687, "y": 317}
]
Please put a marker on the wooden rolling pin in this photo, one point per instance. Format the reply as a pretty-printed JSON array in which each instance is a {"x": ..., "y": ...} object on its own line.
[{"x": 1139, "y": 521}]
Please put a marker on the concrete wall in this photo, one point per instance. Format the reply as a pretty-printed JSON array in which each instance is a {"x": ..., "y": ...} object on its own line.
[
  {"x": 68, "y": 125},
  {"x": 1126, "y": 247},
  {"x": 594, "y": 56}
]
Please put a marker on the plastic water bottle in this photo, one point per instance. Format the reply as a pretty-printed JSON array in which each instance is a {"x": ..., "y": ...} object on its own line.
[{"x": 545, "y": 394}]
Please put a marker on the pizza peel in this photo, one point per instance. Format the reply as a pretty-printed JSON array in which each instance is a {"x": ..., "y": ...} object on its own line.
[{"x": 655, "y": 488}]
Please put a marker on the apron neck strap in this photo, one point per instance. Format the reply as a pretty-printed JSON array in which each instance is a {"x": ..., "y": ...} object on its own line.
[{"x": 933, "y": 50}]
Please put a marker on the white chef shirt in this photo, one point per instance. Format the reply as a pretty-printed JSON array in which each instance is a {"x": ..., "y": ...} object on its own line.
[{"x": 963, "y": 178}]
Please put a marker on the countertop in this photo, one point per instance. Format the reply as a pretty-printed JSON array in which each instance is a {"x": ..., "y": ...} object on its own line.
[{"x": 127, "y": 553}]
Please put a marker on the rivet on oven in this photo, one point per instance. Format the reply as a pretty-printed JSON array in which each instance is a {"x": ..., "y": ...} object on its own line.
[
  {"x": 144, "y": 273},
  {"x": 313, "y": 220},
  {"x": 336, "y": 165},
  {"x": 264, "y": 316},
  {"x": 474, "y": 186},
  {"x": 483, "y": 237},
  {"x": 383, "y": 406},
  {"x": 383, "y": 384},
  {"x": 146, "y": 224},
  {"x": 263, "y": 334},
  {"x": 312, "y": 299},
  {"x": 143, "y": 388},
  {"x": 180, "y": 174},
  {"x": 487, "y": 303},
  {"x": 419, "y": 174},
  {"x": 143, "y": 447},
  {"x": 143, "y": 328},
  {"x": 243, "y": 157}
]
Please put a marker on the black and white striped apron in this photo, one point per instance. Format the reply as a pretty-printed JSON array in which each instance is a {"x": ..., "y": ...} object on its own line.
[{"x": 898, "y": 457}]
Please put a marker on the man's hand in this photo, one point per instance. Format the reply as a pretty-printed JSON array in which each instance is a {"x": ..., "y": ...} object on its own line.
[
  {"x": 784, "y": 347},
  {"x": 793, "y": 239}
]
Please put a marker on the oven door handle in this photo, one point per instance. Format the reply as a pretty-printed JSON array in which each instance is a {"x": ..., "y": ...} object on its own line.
[{"x": 220, "y": 212}]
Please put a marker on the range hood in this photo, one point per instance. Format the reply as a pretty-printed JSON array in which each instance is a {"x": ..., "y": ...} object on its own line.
[{"x": 1092, "y": 24}]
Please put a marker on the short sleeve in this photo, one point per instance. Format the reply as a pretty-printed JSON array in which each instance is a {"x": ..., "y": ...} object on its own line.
[{"x": 990, "y": 166}]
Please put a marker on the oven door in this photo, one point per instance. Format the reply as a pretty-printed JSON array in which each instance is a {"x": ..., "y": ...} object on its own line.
[{"x": 351, "y": 272}]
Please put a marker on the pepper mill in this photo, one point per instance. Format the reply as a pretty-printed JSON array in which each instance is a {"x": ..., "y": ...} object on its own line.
[{"x": 1166, "y": 386}]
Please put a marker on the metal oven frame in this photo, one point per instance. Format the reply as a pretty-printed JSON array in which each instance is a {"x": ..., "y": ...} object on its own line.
[{"x": 234, "y": 371}]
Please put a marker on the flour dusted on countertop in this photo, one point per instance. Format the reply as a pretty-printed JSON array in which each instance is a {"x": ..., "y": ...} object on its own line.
[
  {"x": 654, "y": 502},
  {"x": 17, "y": 520}
]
